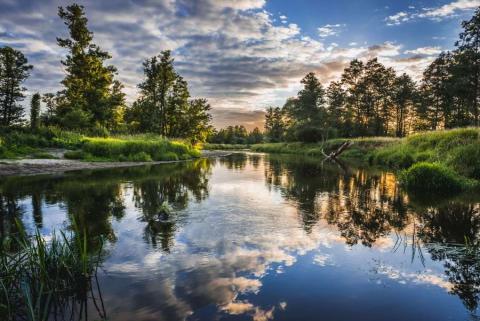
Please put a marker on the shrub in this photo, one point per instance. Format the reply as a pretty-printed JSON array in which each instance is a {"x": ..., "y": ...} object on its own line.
[{"x": 431, "y": 179}]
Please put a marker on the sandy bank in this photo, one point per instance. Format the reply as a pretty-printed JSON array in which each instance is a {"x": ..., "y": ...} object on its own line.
[{"x": 51, "y": 166}]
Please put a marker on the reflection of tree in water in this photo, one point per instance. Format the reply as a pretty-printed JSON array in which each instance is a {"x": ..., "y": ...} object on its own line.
[
  {"x": 444, "y": 230},
  {"x": 235, "y": 161},
  {"x": 10, "y": 213},
  {"x": 364, "y": 207},
  {"x": 161, "y": 196}
]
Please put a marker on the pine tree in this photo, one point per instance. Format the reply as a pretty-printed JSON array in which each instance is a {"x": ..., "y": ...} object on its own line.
[
  {"x": 274, "y": 124},
  {"x": 88, "y": 98},
  {"x": 14, "y": 70}
]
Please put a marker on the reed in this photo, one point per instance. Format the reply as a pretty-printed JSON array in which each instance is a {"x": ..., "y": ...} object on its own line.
[{"x": 41, "y": 278}]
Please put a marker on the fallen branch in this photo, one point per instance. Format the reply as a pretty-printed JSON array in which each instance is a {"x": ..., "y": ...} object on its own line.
[{"x": 340, "y": 150}]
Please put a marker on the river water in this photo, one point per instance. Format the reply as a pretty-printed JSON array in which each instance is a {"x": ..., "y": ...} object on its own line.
[{"x": 260, "y": 237}]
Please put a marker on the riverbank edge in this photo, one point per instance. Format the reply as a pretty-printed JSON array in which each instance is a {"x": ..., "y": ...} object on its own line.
[{"x": 30, "y": 167}]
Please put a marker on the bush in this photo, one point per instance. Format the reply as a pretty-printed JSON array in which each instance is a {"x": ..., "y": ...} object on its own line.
[{"x": 431, "y": 179}]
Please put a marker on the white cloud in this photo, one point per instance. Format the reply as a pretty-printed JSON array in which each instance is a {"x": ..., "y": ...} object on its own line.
[
  {"x": 397, "y": 18},
  {"x": 425, "y": 51},
  {"x": 435, "y": 13},
  {"x": 450, "y": 9},
  {"x": 330, "y": 30}
]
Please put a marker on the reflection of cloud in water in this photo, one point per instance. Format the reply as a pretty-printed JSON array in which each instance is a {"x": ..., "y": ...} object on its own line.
[
  {"x": 424, "y": 277},
  {"x": 245, "y": 307}
]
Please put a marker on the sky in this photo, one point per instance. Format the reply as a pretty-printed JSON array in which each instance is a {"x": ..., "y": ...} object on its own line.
[{"x": 242, "y": 55}]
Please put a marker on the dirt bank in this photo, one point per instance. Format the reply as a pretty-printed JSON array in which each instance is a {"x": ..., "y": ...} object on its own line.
[{"x": 51, "y": 166}]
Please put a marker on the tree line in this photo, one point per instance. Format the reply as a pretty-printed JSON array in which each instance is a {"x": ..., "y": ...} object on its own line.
[
  {"x": 92, "y": 99},
  {"x": 237, "y": 134},
  {"x": 372, "y": 100}
]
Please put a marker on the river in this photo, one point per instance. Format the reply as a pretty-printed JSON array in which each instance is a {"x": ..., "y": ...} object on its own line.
[{"x": 260, "y": 237}]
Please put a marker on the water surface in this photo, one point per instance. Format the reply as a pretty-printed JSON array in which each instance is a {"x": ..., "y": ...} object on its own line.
[{"x": 256, "y": 237}]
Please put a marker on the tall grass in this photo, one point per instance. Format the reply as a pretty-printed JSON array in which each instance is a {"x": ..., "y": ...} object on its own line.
[
  {"x": 43, "y": 278},
  {"x": 133, "y": 148},
  {"x": 147, "y": 147},
  {"x": 440, "y": 162}
]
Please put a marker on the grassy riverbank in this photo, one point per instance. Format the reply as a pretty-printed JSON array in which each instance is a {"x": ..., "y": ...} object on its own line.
[
  {"x": 359, "y": 151},
  {"x": 25, "y": 144}
]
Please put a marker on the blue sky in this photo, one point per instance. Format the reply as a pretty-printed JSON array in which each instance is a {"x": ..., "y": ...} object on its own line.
[{"x": 242, "y": 55}]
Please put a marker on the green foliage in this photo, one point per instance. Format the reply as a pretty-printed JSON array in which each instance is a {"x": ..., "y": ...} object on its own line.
[
  {"x": 309, "y": 134},
  {"x": 456, "y": 149},
  {"x": 465, "y": 160},
  {"x": 431, "y": 179},
  {"x": 91, "y": 94},
  {"x": 79, "y": 154},
  {"x": 164, "y": 106},
  {"x": 359, "y": 151},
  {"x": 38, "y": 276},
  {"x": 235, "y": 135},
  {"x": 35, "y": 111},
  {"x": 225, "y": 146},
  {"x": 14, "y": 70},
  {"x": 133, "y": 149}
]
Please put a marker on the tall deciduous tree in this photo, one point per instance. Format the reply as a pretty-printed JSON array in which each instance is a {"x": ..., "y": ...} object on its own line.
[
  {"x": 159, "y": 80},
  {"x": 164, "y": 105},
  {"x": 89, "y": 98},
  {"x": 35, "y": 111},
  {"x": 14, "y": 70}
]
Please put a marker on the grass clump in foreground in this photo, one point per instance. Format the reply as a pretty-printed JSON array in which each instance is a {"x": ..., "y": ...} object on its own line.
[
  {"x": 40, "y": 279},
  {"x": 133, "y": 148}
]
